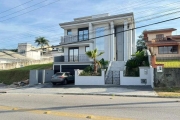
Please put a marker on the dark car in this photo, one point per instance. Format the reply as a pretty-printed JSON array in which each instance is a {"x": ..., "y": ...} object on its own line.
[{"x": 62, "y": 77}]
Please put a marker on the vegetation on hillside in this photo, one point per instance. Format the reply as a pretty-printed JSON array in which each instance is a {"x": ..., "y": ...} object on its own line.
[{"x": 20, "y": 74}]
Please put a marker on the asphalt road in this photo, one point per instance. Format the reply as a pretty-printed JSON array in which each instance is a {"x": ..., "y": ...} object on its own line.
[{"x": 76, "y": 107}]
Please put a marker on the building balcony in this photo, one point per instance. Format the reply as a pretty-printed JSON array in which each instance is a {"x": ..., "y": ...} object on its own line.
[
  {"x": 73, "y": 38},
  {"x": 72, "y": 58}
]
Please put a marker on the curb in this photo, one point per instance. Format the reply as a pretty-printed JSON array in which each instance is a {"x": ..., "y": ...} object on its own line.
[
  {"x": 115, "y": 95},
  {"x": 3, "y": 92}
]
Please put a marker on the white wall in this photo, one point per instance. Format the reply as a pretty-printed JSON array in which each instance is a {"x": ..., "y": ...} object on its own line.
[
  {"x": 89, "y": 80},
  {"x": 36, "y": 55},
  {"x": 81, "y": 50},
  {"x": 145, "y": 73},
  {"x": 66, "y": 51}
]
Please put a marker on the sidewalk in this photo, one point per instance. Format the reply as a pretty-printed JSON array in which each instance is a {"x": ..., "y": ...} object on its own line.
[{"x": 144, "y": 91}]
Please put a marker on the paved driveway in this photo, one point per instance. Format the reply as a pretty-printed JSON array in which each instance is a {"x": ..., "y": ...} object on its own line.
[{"x": 48, "y": 88}]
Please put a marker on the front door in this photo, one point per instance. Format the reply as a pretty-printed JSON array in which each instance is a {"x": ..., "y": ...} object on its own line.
[
  {"x": 73, "y": 54},
  {"x": 120, "y": 43}
]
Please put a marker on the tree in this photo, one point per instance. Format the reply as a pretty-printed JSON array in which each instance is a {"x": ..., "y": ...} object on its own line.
[
  {"x": 42, "y": 42},
  {"x": 140, "y": 44},
  {"x": 104, "y": 63},
  {"x": 93, "y": 55}
]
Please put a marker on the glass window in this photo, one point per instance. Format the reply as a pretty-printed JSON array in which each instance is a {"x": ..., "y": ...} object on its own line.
[
  {"x": 69, "y": 32},
  {"x": 83, "y": 34},
  {"x": 100, "y": 40},
  {"x": 159, "y": 36},
  {"x": 161, "y": 50},
  {"x": 168, "y": 50},
  {"x": 73, "y": 54},
  {"x": 86, "y": 48}
]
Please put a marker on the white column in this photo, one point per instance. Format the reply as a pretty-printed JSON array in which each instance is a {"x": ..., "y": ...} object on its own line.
[
  {"x": 133, "y": 39},
  {"x": 112, "y": 41},
  {"x": 91, "y": 34},
  {"x": 125, "y": 41}
]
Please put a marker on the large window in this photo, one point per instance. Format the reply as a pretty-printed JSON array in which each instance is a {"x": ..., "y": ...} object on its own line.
[
  {"x": 83, "y": 34},
  {"x": 73, "y": 54},
  {"x": 69, "y": 32},
  {"x": 168, "y": 49},
  {"x": 86, "y": 48},
  {"x": 100, "y": 40},
  {"x": 159, "y": 36}
]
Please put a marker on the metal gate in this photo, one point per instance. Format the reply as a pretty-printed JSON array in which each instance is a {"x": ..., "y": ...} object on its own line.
[{"x": 113, "y": 77}]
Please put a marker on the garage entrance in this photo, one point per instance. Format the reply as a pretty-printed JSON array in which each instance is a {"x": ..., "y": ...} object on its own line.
[{"x": 70, "y": 68}]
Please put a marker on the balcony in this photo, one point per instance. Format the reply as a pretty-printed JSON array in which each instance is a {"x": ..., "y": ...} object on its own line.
[
  {"x": 69, "y": 39},
  {"x": 74, "y": 38},
  {"x": 72, "y": 58}
]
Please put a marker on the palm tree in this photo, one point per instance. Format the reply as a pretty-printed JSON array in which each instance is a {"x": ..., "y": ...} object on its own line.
[
  {"x": 93, "y": 55},
  {"x": 104, "y": 63},
  {"x": 42, "y": 41}
]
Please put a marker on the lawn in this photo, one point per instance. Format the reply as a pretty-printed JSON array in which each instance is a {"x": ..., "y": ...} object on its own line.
[
  {"x": 168, "y": 92},
  {"x": 20, "y": 74},
  {"x": 170, "y": 63}
]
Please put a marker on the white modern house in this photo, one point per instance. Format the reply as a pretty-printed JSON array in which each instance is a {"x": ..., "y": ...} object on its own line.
[
  {"x": 29, "y": 51},
  {"x": 112, "y": 34}
]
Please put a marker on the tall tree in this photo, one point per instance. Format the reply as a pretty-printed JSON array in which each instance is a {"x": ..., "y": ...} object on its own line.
[
  {"x": 140, "y": 44},
  {"x": 42, "y": 41},
  {"x": 93, "y": 55}
]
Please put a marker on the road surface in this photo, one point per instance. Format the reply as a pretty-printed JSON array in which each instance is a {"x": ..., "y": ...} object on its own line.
[{"x": 82, "y": 107}]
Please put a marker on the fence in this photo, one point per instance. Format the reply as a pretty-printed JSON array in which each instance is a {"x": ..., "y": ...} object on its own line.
[
  {"x": 7, "y": 66},
  {"x": 40, "y": 76},
  {"x": 169, "y": 77}
]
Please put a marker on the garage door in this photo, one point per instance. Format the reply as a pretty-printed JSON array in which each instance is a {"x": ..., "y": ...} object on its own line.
[
  {"x": 70, "y": 68},
  {"x": 56, "y": 68}
]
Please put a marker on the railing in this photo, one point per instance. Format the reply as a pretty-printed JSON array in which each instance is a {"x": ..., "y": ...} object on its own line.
[
  {"x": 72, "y": 58},
  {"x": 69, "y": 39},
  {"x": 74, "y": 38}
]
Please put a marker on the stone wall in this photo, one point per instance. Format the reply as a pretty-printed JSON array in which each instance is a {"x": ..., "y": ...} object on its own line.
[
  {"x": 170, "y": 77},
  {"x": 7, "y": 66}
]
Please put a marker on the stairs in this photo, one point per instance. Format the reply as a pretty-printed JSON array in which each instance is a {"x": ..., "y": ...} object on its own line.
[{"x": 113, "y": 72}]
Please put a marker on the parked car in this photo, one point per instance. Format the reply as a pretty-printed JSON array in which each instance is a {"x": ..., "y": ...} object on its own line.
[{"x": 62, "y": 77}]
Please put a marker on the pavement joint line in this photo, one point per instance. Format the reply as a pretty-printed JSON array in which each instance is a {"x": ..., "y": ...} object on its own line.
[
  {"x": 62, "y": 114},
  {"x": 97, "y": 95}
]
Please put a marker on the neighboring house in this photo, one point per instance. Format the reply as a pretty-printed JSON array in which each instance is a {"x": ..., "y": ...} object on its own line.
[
  {"x": 57, "y": 50},
  {"x": 112, "y": 35},
  {"x": 162, "y": 44},
  {"x": 29, "y": 51}
]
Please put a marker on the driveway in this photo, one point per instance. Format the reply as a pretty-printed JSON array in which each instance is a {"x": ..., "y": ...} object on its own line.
[{"x": 48, "y": 88}]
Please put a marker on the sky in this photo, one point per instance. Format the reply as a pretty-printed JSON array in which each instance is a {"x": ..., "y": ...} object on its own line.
[{"x": 21, "y": 21}]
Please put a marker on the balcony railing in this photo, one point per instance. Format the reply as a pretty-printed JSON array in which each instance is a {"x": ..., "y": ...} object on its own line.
[
  {"x": 69, "y": 39},
  {"x": 72, "y": 58},
  {"x": 74, "y": 38}
]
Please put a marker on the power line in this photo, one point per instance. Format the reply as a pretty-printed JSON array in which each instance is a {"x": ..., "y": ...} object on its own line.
[
  {"x": 16, "y": 7},
  {"x": 136, "y": 22},
  {"x": 23, "y": 9},
  {"x": 114, "y": 33},
  {"x": 147, "y": 19},
  {"x": 126, "y": 7},
  {"x": 30, "y": 11}
]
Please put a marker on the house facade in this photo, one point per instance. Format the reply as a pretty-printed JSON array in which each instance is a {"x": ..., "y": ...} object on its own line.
[
  {"x": 29, "y": 51},
  {"x": 114, "y": 35},
  {"x": 162, "y": 44}
]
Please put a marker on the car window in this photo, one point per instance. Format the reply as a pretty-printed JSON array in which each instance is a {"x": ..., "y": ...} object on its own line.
[
  {"x": 59, "y": 74},
  {"x": 67, "y": 74}
]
